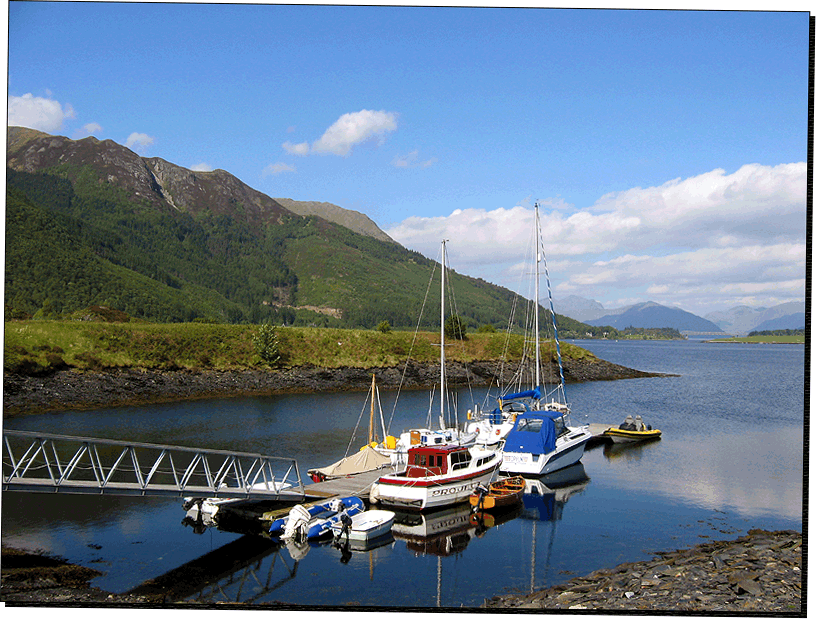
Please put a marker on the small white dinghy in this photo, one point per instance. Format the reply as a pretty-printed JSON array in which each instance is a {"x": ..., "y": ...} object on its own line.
[{"x": 364, "y": 526}]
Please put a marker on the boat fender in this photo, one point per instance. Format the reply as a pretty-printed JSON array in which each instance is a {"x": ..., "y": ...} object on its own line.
[{"x": 498, "y": 432}]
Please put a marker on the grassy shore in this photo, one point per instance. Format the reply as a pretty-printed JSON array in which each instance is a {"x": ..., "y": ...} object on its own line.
[
  {"x": 33, "y": 347},
  {"x": 762, "y": 339}
]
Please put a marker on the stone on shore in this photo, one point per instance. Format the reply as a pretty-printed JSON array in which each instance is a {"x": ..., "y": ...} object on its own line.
[{"x": 760, "y": 572}]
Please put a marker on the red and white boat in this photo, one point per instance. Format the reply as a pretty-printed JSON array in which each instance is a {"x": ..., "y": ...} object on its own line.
[{"x": 435, "y": 476}]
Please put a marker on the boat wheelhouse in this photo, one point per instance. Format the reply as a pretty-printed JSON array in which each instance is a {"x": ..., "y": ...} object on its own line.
[{"x": 436, "y": 475}]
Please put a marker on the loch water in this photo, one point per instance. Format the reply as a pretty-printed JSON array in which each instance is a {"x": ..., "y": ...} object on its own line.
[{"x": 731, "y": 459}]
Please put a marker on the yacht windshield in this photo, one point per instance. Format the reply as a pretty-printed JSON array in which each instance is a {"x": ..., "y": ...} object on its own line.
[{"x": 530, "y": 425}]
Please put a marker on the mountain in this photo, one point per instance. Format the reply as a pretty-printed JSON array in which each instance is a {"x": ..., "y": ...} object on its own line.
[
  {"x": 90, "y": 222},
  {"x": 651, "y": 315},
  {"x": 743, "y": 319},
  {"x": 791, "y": 321},
  {"x": 580, "y": 308},
  {"x": 352, "y": 220}
]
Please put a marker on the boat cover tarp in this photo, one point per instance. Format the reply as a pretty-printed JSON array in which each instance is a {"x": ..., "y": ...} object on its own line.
[
  {"x": 534, "y": 433},
  {"x": 367, "y": 459},
  {"x": 530, "y": 393}
]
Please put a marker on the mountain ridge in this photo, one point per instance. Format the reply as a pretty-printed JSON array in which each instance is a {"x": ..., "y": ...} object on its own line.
[
  {"x": 157, "y": 180},
  {"x": 739, "y": 319},
  {"x": 172, "y": 244}
]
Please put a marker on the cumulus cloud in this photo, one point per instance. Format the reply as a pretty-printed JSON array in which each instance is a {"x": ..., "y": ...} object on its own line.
[
  {"x": 301, "y": 149},
  {"x": 92, "y": 128},
  {"x": 201, "y": 167},
  {"x": 715, "y": 237},
  {"x": 277, "y": 168},
  {"x": 139, "y": 141},
  {"x": 347, "y": 132},
  {"x": 37, "y": 113},
  {"x": 411, "y": 160}
]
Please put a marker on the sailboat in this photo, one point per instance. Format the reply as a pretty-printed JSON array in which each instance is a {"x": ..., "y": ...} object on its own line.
[
  {"x": 438, "y": 471},
  {"x": 541, "y": 440}
]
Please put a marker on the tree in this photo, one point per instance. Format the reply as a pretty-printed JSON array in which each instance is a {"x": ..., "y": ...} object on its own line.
[
  {"x": 487, "y": 329},
  {"x": 455, "y": 328},
  {"x": 384, "y": 327},
  {"x": 266, "y": 344}
]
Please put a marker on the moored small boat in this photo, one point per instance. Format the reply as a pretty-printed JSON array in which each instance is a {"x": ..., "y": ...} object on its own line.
[
  {"x": 500, "y": 493},
  {"x": 304, "y": 518},
  {"x": 632, "y": 431},
  {"x": 363, "y": 526},
  {"x": 631, "y": 436}
]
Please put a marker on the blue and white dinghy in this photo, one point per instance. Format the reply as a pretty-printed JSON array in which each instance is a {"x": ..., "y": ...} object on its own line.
[{"x": 315, "y": 520}]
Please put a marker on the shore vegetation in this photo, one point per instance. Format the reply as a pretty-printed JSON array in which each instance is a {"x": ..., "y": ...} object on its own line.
[{"x": 35, "y": 347}]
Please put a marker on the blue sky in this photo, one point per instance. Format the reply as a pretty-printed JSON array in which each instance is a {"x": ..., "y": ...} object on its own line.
[{"x": 667, "y": 148}]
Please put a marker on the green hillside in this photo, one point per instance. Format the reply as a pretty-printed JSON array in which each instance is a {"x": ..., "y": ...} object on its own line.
[{"x": 74, "y": 241}]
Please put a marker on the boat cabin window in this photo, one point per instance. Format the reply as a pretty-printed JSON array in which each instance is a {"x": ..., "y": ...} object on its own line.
[
  {"x": 485, "y": 460},
  {"x": 460, "y": 459},
  {"x": 421, "y": 460},
  {"x": 560, "y": 426},
  {"x": 530, "y": 425},
  {"x": 514, "y": 407}
]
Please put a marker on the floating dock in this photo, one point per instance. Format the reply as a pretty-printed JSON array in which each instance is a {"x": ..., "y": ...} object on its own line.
[
  {"x": 597, "y": 430},
  {"x": 319, "y": 492}
]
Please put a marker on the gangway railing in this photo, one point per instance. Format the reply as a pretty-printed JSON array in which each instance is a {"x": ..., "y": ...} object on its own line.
[{"x": 37, "y": 462}]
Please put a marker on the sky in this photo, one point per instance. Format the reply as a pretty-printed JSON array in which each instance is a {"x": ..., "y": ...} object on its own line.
[{"x": 667, "y": 149}]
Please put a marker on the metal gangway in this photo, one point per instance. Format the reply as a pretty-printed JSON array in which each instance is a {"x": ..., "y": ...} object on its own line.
[{"x": 38, "y": 462}]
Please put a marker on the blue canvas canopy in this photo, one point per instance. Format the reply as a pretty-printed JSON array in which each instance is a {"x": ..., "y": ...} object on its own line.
[
  {"x": 534, "y": 432},
  {"x": 532, "y": 393}
]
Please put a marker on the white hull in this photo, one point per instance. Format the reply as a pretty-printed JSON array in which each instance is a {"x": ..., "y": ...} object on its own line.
[
  {"x": 420, "y": 493},
  {"x": 568, "y": 450},
  {"x": 366, "y": 526}
]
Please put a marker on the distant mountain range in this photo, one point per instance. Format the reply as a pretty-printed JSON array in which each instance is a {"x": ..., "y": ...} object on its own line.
[
  {"x": 744, "y": 319},
  {"x": 737, "y": 320}
]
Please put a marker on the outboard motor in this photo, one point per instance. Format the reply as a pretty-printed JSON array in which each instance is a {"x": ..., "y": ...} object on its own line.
[{"x": 345, "y": 520}]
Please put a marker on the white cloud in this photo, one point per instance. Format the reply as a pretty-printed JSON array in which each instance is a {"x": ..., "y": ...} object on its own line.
[
  {"x": 139, "y": 141},
  {"x": 704, "y": 241},
  {"x": 37, "y": 113},
  {"x": 277, "y": 168},
  {"x": 92, "y": 128},
  {"x": 300, "y": 150},
  {"x": 347, "y": 132},
  {"x": 201, "y": 167},
  {"x": 411, "y": 160}
]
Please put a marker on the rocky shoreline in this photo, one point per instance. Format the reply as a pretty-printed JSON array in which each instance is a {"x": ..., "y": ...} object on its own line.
[
  {"x": 758, "y": 573},
  {"x": 71, "y": 388}
]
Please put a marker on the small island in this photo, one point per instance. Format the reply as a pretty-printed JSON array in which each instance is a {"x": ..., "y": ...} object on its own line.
[{"x": 779, "y": 336}]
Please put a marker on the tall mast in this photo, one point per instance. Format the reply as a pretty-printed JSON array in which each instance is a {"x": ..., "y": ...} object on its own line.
[
  {"x": 442, "y": 347},
  {"x": 537, "y": 332}
]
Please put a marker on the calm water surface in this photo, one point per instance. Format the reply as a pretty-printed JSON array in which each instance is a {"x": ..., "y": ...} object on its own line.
[{"x": 731, "y": 459}]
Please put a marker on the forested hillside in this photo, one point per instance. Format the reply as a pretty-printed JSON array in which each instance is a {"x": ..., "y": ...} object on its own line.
[{"x": 91, "y": 223}]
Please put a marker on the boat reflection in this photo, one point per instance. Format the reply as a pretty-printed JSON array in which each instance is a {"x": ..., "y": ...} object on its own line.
[
  {"x": 628, "y": 451},
  {"x": 544, "y": 500},
  {"x": 441, "y": 532},
  {"x": 544, "y": 497}
]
